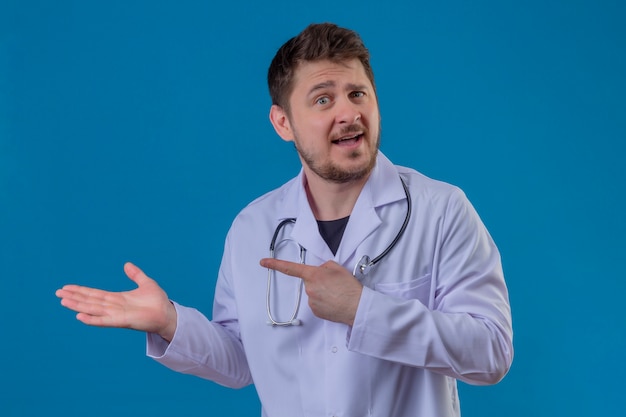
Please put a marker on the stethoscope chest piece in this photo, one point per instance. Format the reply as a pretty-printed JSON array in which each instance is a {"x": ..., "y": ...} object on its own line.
[{"x": 363, "y": 267}]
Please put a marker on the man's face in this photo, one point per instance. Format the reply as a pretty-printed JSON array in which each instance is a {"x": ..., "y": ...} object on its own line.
[{"x": 334, "y": 120}]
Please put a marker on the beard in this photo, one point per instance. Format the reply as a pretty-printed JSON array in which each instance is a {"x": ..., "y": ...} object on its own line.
[{"x": 331, "y": 171}]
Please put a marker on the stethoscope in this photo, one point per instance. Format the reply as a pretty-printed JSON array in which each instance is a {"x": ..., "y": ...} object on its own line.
[{"x": 364, "y": 265}]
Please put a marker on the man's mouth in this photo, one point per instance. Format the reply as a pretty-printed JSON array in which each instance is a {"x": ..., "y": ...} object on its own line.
[{"x": 348, "y": 140}]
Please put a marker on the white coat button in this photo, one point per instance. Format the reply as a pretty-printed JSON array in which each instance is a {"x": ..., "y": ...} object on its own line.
[{"x": 334, "y": 349}]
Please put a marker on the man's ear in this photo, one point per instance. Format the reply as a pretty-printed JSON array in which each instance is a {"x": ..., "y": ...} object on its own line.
[{"x": 280, "y": 121}]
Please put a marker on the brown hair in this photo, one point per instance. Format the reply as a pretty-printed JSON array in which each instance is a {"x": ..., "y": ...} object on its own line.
[{"x": 316, "y": 42}]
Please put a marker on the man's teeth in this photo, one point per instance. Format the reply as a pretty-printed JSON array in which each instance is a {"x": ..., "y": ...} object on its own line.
[{"x": 349, "y": 138}]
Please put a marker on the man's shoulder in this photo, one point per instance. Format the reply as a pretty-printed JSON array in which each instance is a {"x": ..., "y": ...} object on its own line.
[{"x": 420, "y": 182}]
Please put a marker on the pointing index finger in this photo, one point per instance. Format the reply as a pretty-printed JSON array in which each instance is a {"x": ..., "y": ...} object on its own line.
[{"x": 293, "y": 269}]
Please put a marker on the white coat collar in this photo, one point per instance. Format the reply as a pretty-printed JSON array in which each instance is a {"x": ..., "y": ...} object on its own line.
[{"x": 382, "y": 187}]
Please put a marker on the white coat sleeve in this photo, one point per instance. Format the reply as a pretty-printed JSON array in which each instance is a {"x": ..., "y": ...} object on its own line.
[
  {"x": 204, "y": 348},
  {"x": 467, "y": 332}
]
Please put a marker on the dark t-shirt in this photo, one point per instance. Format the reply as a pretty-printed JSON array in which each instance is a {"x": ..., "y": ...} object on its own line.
[{"x": 332, "y": 232}]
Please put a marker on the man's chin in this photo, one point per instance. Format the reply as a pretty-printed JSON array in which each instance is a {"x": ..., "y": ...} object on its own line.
[{"x": 346, "y": 175}]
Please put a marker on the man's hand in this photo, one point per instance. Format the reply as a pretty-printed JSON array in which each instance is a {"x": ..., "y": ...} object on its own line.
[
  {"x": 146, "y": 308},
  {"x": 333, "y": 292}
]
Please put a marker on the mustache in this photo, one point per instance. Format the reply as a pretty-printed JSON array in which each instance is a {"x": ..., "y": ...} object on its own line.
[{"x": 346, "y": 130}]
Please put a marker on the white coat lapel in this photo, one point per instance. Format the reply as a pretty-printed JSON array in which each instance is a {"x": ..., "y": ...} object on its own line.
[
  {"x": 305, "y": 230},
  {"x": 383, "y": 187}
]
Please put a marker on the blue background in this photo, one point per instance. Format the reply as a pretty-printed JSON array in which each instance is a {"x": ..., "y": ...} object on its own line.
[{"x": 136, "y": 130}]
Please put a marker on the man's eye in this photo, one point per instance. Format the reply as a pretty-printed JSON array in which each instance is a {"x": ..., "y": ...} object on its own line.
[
  {"x": 358, "y": 94},
  {"x": 322, "y": 100}
]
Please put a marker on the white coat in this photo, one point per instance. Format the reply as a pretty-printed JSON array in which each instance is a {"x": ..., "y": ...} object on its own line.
[{"x": 434, "y": 310}]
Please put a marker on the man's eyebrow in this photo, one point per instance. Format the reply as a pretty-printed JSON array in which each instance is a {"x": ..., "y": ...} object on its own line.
[
  {"x": 358, "y": 87},
  {"x": 321, "y": 86},
  {"x": 330, "y": 83}
]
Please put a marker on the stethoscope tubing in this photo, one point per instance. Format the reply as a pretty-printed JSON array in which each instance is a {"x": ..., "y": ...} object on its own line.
[
  {"x": 363, "y": 266},
  {"x": 409, "y": 206}
]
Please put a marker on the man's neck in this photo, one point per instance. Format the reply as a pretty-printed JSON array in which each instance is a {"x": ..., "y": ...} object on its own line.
[{"x": 329, "y": 200}]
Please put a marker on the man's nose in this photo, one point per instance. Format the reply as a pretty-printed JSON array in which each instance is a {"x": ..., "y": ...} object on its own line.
[{"x": 347, "y": 112}]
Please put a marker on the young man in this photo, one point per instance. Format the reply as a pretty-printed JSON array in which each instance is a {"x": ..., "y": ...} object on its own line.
[{"x": 403, "y": 286}]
